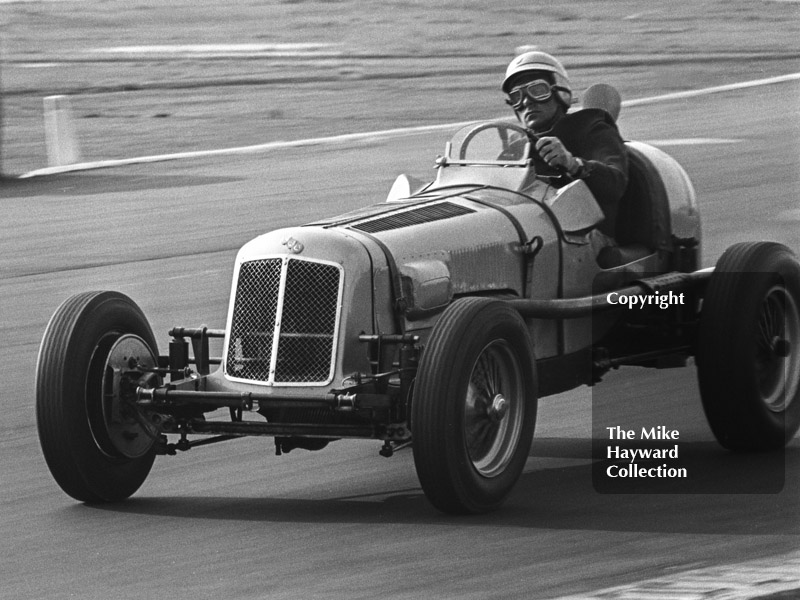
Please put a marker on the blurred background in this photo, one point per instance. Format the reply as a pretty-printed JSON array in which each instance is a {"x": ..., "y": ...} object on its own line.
[{"x": 146, "y": 77}]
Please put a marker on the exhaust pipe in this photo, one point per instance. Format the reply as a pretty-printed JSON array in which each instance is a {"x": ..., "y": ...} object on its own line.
[{"x": 573, "y": 308}]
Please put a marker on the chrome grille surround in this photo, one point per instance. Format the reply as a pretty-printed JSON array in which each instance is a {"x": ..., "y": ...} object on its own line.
[{"x": 283, "y": 327}]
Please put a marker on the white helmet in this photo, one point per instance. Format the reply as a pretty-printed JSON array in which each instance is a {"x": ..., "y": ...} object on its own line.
[{"x": 541, "y": 61}]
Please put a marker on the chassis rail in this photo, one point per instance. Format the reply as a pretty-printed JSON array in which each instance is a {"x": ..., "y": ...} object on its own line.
[{"x": 174, "y": 398}]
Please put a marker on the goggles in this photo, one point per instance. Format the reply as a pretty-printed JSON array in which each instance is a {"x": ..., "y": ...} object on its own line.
[{"x": 535, "y": 91}]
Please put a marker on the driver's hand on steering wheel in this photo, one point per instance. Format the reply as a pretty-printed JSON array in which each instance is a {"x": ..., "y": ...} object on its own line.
[{"x": 557, "y": 156}]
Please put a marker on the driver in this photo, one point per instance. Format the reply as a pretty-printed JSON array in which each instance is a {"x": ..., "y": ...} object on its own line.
[{"x": 584, "y": 145}]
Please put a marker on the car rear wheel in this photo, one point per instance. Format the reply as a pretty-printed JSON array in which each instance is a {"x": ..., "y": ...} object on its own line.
[
  {"x": 97, "y": 347},
  {"x": 474, "y": 406},
  {"x": 748, "y": 355}
]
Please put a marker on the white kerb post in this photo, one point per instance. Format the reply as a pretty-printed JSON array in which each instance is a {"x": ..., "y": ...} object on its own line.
[{"x": 59, "y": 132}]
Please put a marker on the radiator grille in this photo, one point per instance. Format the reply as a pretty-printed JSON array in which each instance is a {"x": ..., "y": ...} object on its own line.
[{"x": 283, "y": 329}]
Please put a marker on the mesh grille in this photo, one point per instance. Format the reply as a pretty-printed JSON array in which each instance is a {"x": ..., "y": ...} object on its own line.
[
  {"x": 306, "y": 320},
  {"x": 253, "y": 325}
]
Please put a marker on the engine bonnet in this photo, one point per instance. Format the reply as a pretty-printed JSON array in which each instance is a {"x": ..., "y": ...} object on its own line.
[{"x": 470, "y": 241}]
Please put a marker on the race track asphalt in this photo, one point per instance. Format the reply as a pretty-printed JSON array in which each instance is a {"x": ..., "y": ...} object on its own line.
[{"x": 234, "y": 521}]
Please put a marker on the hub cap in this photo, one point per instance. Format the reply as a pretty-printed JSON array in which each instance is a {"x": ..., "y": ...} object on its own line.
[
  {"x": 777, "y": 352},
  {"x": 495, "y": 406}
]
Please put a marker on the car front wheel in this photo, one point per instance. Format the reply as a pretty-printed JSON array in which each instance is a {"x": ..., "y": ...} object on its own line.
[
  {"x": 474, "y": 406},
  {"x": 96, "y": 349}
]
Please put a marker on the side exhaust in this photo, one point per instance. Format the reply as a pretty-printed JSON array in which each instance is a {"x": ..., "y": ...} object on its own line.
[{"x": 573, "y": 308}]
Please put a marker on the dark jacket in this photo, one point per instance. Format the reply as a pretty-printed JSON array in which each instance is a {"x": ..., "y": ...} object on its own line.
[{"x": 592, "y": 135}]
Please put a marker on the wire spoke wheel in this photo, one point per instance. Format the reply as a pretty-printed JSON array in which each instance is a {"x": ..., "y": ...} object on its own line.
[
  {"x": 748, "y": 348},
  {"x": 474, "y": 407},
  {"x": 777, "y": 360},
  {"x": 494, "y": 409}
]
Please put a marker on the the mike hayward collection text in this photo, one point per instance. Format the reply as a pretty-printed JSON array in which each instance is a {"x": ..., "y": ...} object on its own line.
[{"x": 632, "y": 469}]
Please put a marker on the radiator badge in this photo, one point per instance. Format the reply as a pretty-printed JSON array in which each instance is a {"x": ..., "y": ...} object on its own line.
[{"x": 293, "y": 245}]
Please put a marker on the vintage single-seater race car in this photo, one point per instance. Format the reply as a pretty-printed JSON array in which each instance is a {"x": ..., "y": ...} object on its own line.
[{"x": 435, "y": 319}]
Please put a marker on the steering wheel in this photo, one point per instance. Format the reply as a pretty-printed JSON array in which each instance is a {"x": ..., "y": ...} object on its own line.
[{"x": 503, "y": 130}]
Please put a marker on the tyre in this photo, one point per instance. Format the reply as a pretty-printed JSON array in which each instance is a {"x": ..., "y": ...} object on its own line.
[
  {"x": 748, "y": 351},
  {"x": 96, "y": 346},
  {"x": 474, "y": 406}
]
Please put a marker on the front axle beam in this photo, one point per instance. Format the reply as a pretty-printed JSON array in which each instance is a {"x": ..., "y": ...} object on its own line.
[{"x": 336, "y": 400}]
